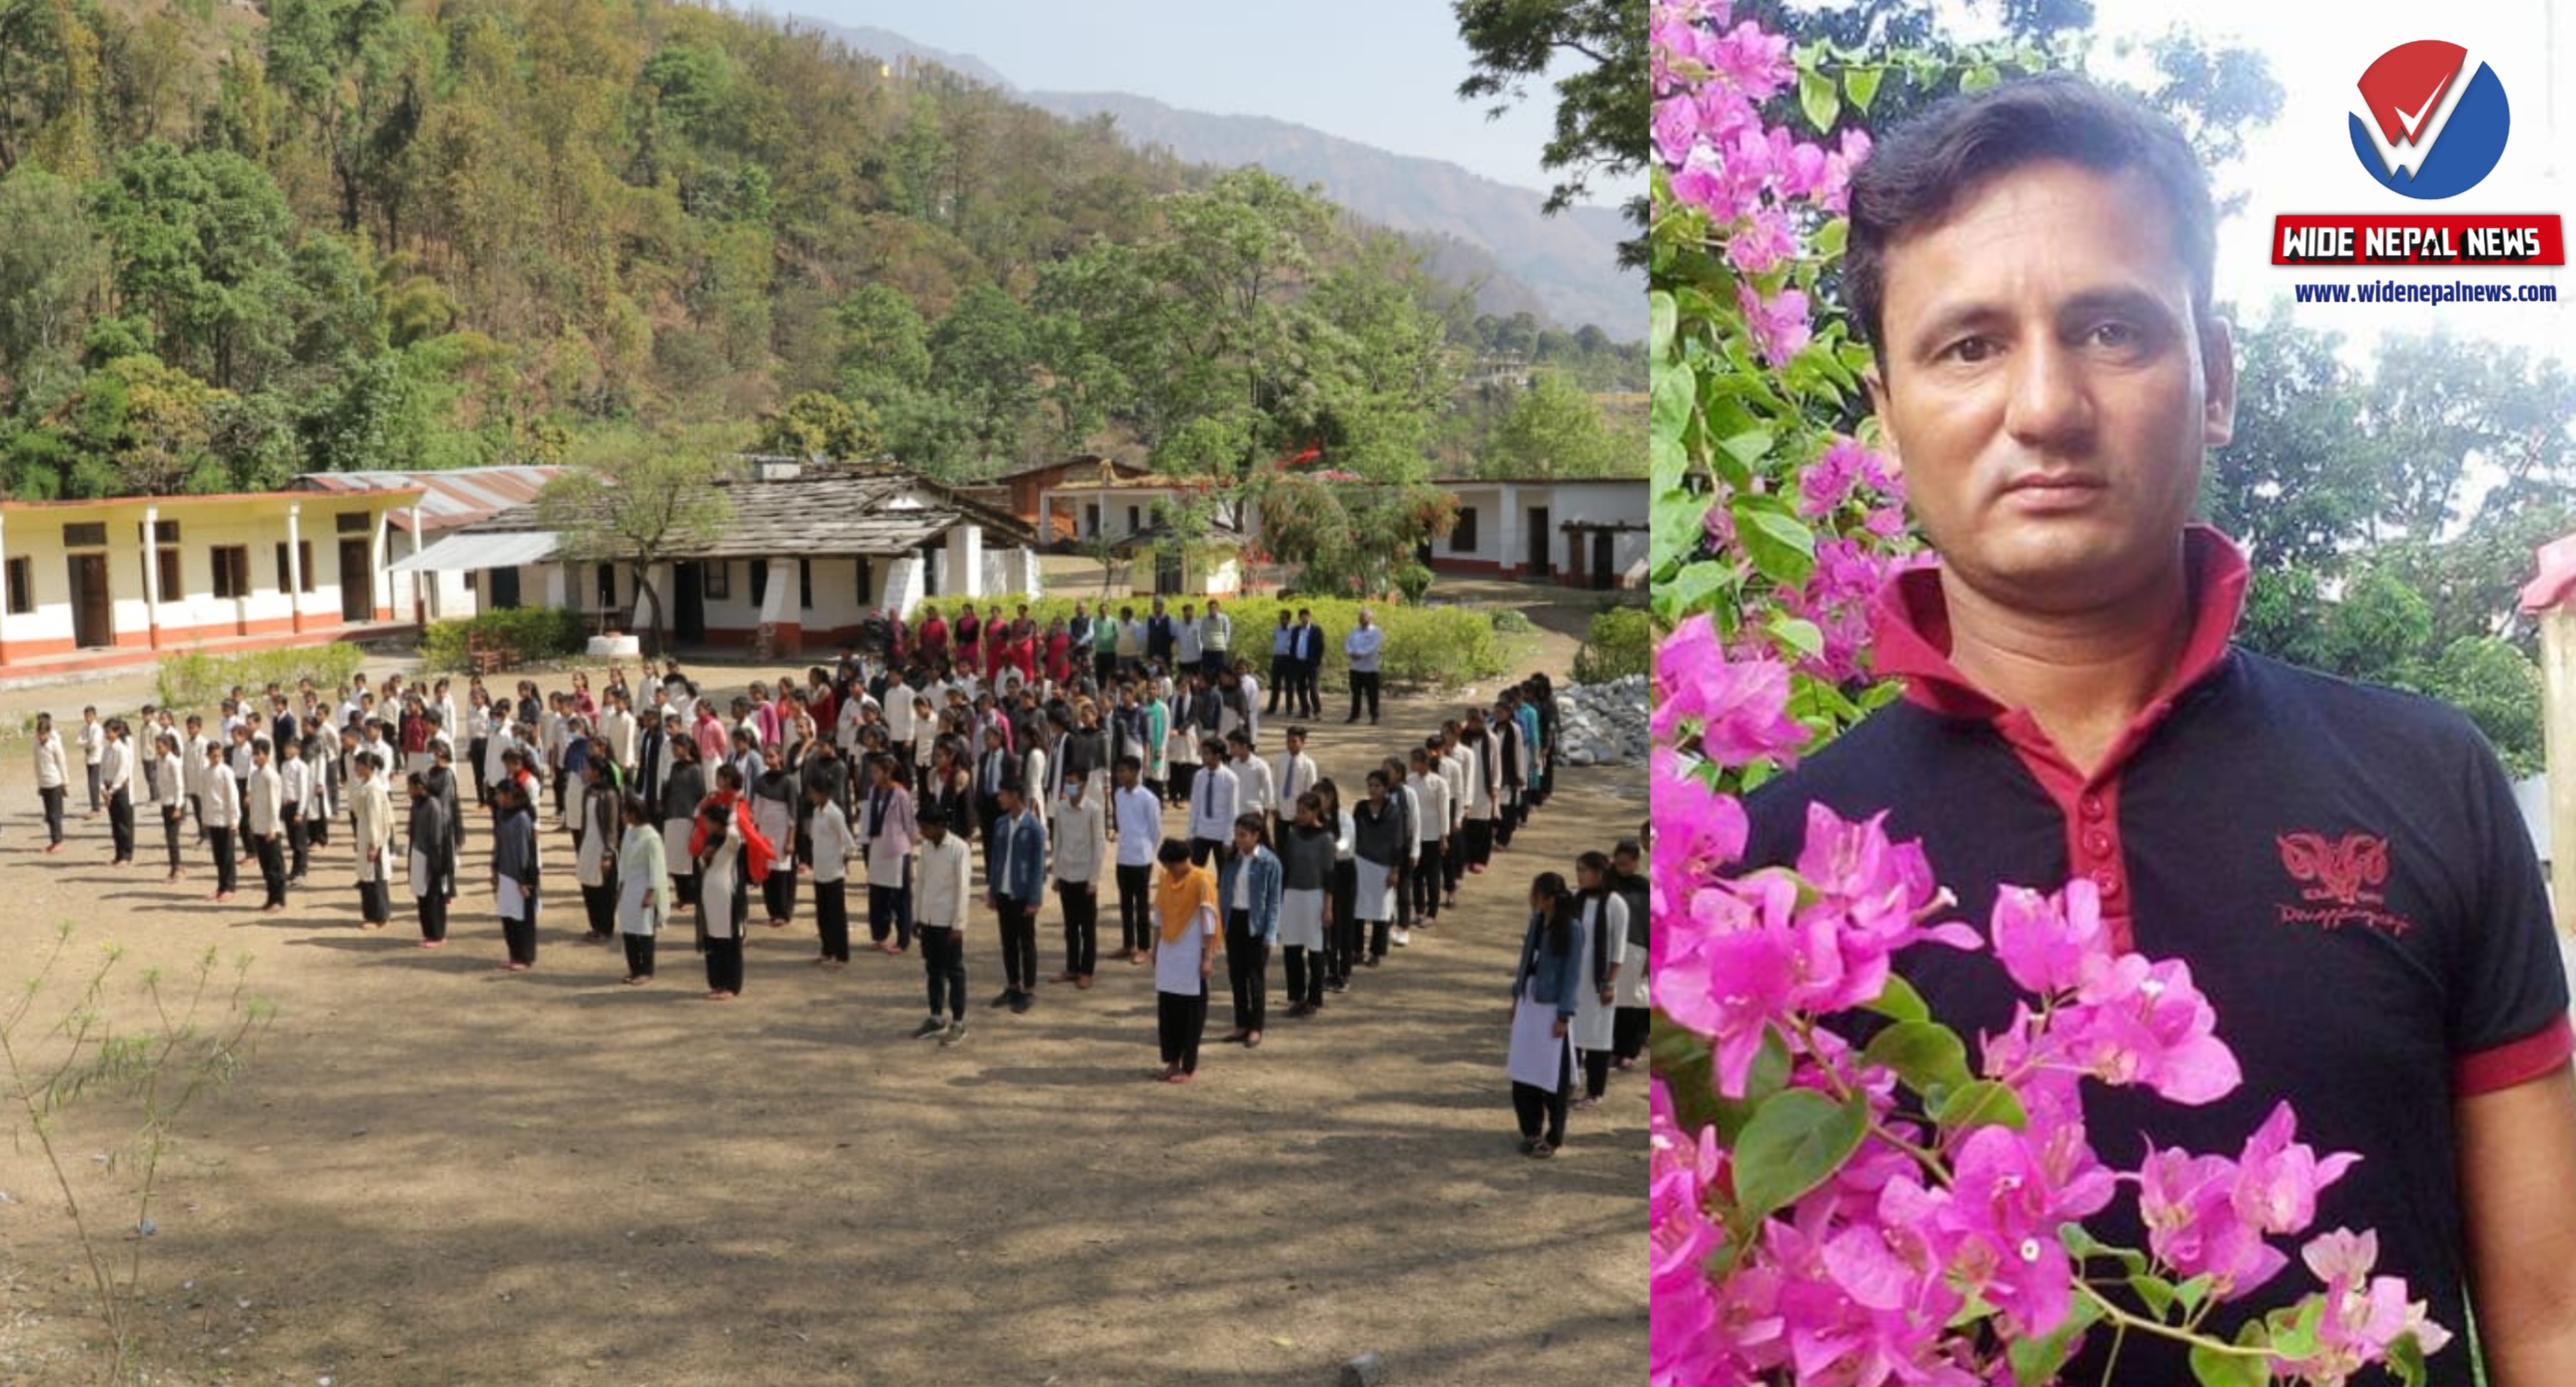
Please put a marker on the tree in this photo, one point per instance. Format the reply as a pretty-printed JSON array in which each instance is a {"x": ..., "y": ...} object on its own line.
[
  {"x": 984, "y": 354},
  {"x": 203, "y": 245},
  {"x": 2299, "y": 480},
  {"x": 640, "y": 499},
  {"x": 1346, "y": 537},
  {"x": 1554, "y": 429},
  {"x": 884, "y": 342},
  {"x": 816, "y": 425},
  {"x": 1602, "y": 106},
  {"x": 155, "y": 423},
  {"x": 52, "y": 266}
]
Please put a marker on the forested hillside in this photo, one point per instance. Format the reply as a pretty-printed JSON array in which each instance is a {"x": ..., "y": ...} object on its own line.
[{"x": 246, "y": 241}]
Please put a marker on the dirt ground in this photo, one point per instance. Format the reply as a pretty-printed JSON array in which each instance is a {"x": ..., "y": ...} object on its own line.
[{"x": 435, "y": 1173}]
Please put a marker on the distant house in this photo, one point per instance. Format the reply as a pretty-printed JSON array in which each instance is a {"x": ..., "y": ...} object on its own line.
[
  {"x": 1586, "y": 534},
  {"x": 449, "y": 501},
  {"x": 1025, "y": 494},
  {"x": 128, "y": 579},
  {"x": 811, "y": 552}
]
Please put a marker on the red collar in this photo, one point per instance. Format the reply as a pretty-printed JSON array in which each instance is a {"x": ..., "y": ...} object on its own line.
[{"x": 1910, "y": 623}]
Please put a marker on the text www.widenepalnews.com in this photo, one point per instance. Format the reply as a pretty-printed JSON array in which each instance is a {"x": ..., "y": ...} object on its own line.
[{"x": 2396, "y": 292}]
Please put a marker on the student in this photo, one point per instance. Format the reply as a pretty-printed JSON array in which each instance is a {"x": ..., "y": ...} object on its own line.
[
  {"x": 1254, "y": 787},
  {"x": 724, "y": 895},
  {"x": 1431, "y": 827},
  {"x": 443, "y": 783},
  {"x": 774, "y": 799},
  {"x": 1408, "y": 811},
  {"x": 93, "y": 745},
  {"x": 1380, "y": 847},
  {"x": 428, "y": 860},
  {"x": 597, "y": 829},
  {"x": 1138, "y": 819},
  {"x": 294, "y": 789},
  {"x": 832, "y": 844},
  {"x": 1629, "y": 1030},
  {"x": 371, "y": 813},
  {"x": 116, "y": 779},
  {"x": 514, "y": 870},
  {"x": 170, "y": 796},
  {"x": 1541, "y": 1059},
  {"x": 891, "y": 828},
  {"x": 263, "y": 819},
  {"x": 1212, "y": 804},
  {"x": 643, "y": 892},
  {"x": 221, "y": 807},
  {"x": 1294, "y": 775},
  {"x": 682, "y": 791},
  {"x": 1344, "y": 933},
  {"x": 1306, "y": 875},
  {"x": 993, "y": 772},
  {"x": 320, "y": 796},
  {"x": 940, "y": 917},
  {"x": 53, "y": 778},
  {"x": 1080, "y": 842},
  {"x": 1249, "y": 886},
  {"x": 1185, "y": 913},
  {"x": 1015, "y": 878},
  {"x": 1604, "y": 923}
]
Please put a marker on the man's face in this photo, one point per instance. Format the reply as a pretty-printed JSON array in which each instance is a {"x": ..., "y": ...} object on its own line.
[{"x": 2049, "y": 388}]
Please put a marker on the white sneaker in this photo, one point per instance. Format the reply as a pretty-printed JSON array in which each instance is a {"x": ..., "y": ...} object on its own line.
[{"x": 1403, "y": 937}]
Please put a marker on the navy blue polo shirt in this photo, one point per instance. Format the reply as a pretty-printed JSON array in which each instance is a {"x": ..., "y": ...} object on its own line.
[{"x": 2342, "y": 866}]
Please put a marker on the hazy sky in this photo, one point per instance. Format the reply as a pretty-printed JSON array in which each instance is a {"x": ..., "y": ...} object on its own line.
[{"x": 1385, "y": 73}]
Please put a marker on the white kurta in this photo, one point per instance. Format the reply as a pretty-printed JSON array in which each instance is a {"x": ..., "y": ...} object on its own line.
[
  {"x": 1592, "y": 1016},
  {"x": 716, "y": 884},
  {"x": 1538, "y": 1057},
  {"x": 1301, "y": 919},
  {"x": 595, "y": 843},
  {"x": 372, "y": 813}
]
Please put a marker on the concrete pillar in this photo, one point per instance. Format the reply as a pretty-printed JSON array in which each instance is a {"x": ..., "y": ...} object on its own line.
[
  {"x": 781, "y": 633},
  {"x": 2558, "y": 728},
  {"x": 1046, "y": 518},
  {"x": 1508, "y": 524},
  {"x": 421, "y": 579},
  {"x": 152, "y": 573},
  {"x": 965, "y": 553},
  {"x": 902, "y": 592},
  {"x": 295, "y": 565},
  {"x": 376, "y": 547},
  {"x": 558, "y": 584}
]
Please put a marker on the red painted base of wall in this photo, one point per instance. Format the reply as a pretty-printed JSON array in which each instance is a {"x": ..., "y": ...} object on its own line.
[
  {"x": 1482, "y": 568},
  {"x": 31, "y": 658}
]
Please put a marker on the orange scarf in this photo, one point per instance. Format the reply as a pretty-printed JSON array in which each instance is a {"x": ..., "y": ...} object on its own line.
[{"x": 1177, "y": 903}]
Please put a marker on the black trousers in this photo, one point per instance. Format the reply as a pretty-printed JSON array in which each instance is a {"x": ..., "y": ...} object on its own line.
[
  {"x": 171, "y": 817},
  {"x": 1342, "y": 940},
  {"x": 1629, "y": 1028},
  {"x": 639, "y": 955},
  {"x": 298, "y": 842},
  {"x": 433, "y": 914},
  {"x": 120, "y": 823},
  {"x": 1247, "y": 966},
  {"x": 272, "y": 867},
  {"x": 1506, "y": 817},
  {"x": 890, "y": 909},
  {"x": 1205, "y": 850},
  {"x": 1306, "y": 969},
  {"x": 1596, "y": 1073},
  {"x": 832, "y": 918},
  {"x": 375, "y": 902},
  {"x": 943, "y": 963},
  {"x": 1182, "y": 1019},
  {"x": 1019, "y": 945},
  {"x": 1081, "y": 901},
  {"x": 53, "y": 799},
  {"x": 520, "y": 938},
  {"x": 1104, "y": 668},
  {"x": 96, "y": 783},
  {"x": 1135, "y": 907},
  {"x": 724, "y": 965},
  {"x": 778, "y": 891},
  {"x": 482, "y": 782},
  {"x": 319, "y": 825},
  {"x": 1310, "y": 696},
  {"x": 1283, "y": 680},
  {"x": 1535, "y": 1105},
  {"x": 1184, "y": 775},
  {"x": 1426, "y": 878},
  {"x": 1480, "y": 843},
  {"x": 227, "y": 862},
  {"x": 1404, "y": 871},
  {"x": 1363, "y": 689},
  {"x": 599, "y": 907}
]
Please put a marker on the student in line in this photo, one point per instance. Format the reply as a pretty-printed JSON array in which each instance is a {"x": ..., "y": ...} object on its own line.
[
  {"x": 1540, "y": 1061},
  {"x": 1138, "y": 819},
  {"x": 1380, "y": 846},
  {"x": 892, "y": 827},
  {"x": 643, "y": 891},
  {"x": 53, "y": 778},
  {"x": 1306, "y": 877},
  {"x": 1185, "y": 912},
  {"x": 773, "y": 811},
  {"x": 221, "y": 808},
  {"x": 828, "y": 833},
  {"x": 295, "y": 790},
  {"x": 514, "y": 869},
  {"x": 1633, "y": 1025},
  {"x": 1249, "y": 885},
  {"x": 429, "y": 861},
  {"x": 170, "y": 796},
  {"x": 1080, "y": 842},
  {"x": 939, "y": 911},
  {"x": 682, "y": 791},
  {"x": 116, "y": 779},
  {"x": 371, "y": 813},
  {"x": 264, "y": 819},
  {"x": 724, "y": 895},
  {"x": 598, "y": 822},
  {"x": 1015, "y": 878},
  {"x": 1605, "y": 929}
]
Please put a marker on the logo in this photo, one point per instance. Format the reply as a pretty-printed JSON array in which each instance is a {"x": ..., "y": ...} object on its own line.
[
  {"x": 2435, "y": 128},
  {"x": 2337, "y": 878}
]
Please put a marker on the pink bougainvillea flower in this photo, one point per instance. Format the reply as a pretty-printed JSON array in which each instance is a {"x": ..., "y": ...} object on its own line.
[
  {"x": 1779, "y": 323},
  {"x": 1762, "y": 241},
  {"x": 2187, "y": 1204},
  {"x": 2045, "y": 941},
  {"x": 2137, "y": 1022},
  {"x": 1741, "y": 706},
  {"x": 1883, "y": 888},
  {"x": 1738, "y": 972},
  {"x": 1697, "y": 831},
  {"x": 2278, "y": 1179},
  {"x": 2009, "y": 1191},
  {"x": 2364, "y": 1314}
]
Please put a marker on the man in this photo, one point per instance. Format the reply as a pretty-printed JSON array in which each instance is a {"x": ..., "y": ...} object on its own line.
[
  {"x": 1308, "y": 667},
  {"x": 939, "y": 910},
  {"x": 1212, "y": 803},
  {"x": 220, "y": 814},
  {"x": 1216, "y": 640},
  {"x": 1283, "y": 665},
  {"x": 1079, "y": 839},
  {"x": 193, "y": 758},
  {"x": 93, "y": 747},
  {"x": 1361, "y": 649},
  {"x": 371, "y": 813},
  {"x": 1430, "y": 791},
  {"x": 264, "y": 818},
  {"x": 1254, "y": 788},
  {"x": 1189, "y": 641},
  {"x": 1015, "y": 878},
  {"x": 1159, "y": 634},
  {"x": 1294, "y": 776},
  {"x": 1249, "y": 886},
  {"x": 1107, "y": 635},
  {"x": 1138, "y": 821},
  {"x": 116, "y": 778},
  {"x": 2032, "y": 267}
]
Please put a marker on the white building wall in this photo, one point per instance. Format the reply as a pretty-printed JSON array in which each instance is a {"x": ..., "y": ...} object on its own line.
[{"x": 1486, "y": 502}]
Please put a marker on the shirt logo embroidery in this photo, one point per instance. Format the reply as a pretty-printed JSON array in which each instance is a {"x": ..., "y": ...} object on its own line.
[{"x": 2337, "y": 877}]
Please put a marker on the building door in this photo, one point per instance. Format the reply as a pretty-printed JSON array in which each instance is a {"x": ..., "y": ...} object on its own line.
[
  {"x": 1537, "y": 545},
  {"x": 688, "y": 603},
  {"x": 357, "y": 581},
  {"x": 93, "y": 616},
  {"x": 1603, "y": 576},
  {"x": 1167, "y": 572},
  {"x": 504, "y": 587}
]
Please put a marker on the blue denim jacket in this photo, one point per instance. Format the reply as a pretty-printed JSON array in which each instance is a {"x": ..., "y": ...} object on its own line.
[
  {"x": 1559, "y": 975},
  {"x": 1266, "y": 877}
]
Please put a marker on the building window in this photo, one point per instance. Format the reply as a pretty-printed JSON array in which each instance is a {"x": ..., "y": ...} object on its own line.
[
  {"x": 304, "y": 557},
  {"x": 1135, "y": 519},
  {"x": 22, "y": 585},
  {"x": 232, "y": 569},
  {"x": 805, "y": 584},
  {"x": 867, "y": 583},
  {"x": 1462, "y": 539},
  {"x": 174, "y": 588},
  {"x": 1091, "y": 520},
  {"x": 473, "y": 580},
  {"x": 87, "y": 534},
  {"x": 715, "y": 580},
  {"x": 163, "y": 531},
  {"x": 354, "y": 522},
  {"x": 286, "y": 575},
  {"x": 759, "y": 582},
  {"x": 608, "y": 587}
]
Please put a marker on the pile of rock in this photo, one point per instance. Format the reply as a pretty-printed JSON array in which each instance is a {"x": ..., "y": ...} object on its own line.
[{"x": 1602, "y": 724}]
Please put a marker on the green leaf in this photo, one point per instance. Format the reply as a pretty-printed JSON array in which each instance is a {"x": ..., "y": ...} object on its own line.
[
  {"x": 1680, "y": 521},
  {"x": 2156, "y": 1293},
  {"x": 2214, "y": 1368},
  {"x": 2035, "y": 1362},
  {"x": 1663, "y": 314},
  {"x": 1861, "y": 85},
  {"x": 1795, "y": 1143},
  {"x": 2083, "y": 1246},
  {"x": 1749, "y": 447},
  {"x": 1922, "y": 1053},
  {"x": 1769, "y": 1075},
  {"x": 2406, "y": 1359},
  {"x": 1977, "y": 79},
  {"x": 1900, "y": 1002},
  {"x": 1675, "y": 384},
  {"x": 1691, "y": 588},
  {"x": 1782, "y": 548},
  {"x": 2191, "y": 1293},
  {"x": 1833, "y": 236},
  {"x": 1984, "y": 1103},
  {"x": 1799, "y": 636},
  {"x": 1818, "y": 98},
  {"x": 1671, "y": 462}
]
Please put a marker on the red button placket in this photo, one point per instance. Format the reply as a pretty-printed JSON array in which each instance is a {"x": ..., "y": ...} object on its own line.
[{"x": 2092, "y": 811}]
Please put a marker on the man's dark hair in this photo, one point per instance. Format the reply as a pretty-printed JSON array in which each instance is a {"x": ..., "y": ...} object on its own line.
[{"x": 1917, "y": 178}]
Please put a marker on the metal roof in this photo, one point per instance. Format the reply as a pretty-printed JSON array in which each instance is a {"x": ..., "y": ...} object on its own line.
[
  {"x": 836, "y": 509},
  {"x": 462, "y": 553},
  {"x": 450, "y": 499}
]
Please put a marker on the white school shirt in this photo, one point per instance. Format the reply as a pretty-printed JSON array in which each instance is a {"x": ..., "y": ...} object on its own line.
[
  {"x": 1176, "y": 963},
  {"x": 93, "y": 742},
  {"x": 1453, "y": 769},
  {"x": 1431, "y": 795},
  {"x": 1185, "y": 641},
  {"x": 940, "y": 893},
  {"x": 1212, "y": 800},
  {"x": 222, "y": 806},
  {"x": 294, "y": 780},
  {"x": 1140, "y": 826},
  {"x": 115, "y": 768},
  {"x": 51, "y": 770},
  {"x": 1296, "y": 775},
  {"x": 898, "y": 713},
  {"x": 1252, "y": 786},
  {"x": 264, "y": 813},
  {"x": 830, "y": 830},
  {"x": 1077, "y": 842}
]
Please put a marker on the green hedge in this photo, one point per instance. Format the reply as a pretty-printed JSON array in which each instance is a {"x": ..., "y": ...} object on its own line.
[
  {"x": 1620, "y": 644},
  {"x": 537, "y": 633},
  {"x": 1426, "y": 647},
  {"x": 197, "y": 682}
]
